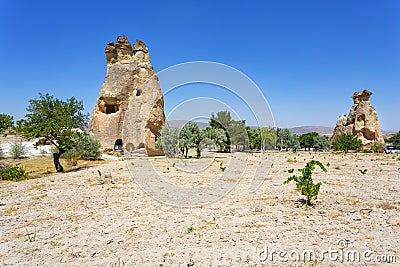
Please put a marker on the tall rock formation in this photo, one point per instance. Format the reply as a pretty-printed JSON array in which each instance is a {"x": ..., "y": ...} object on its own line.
[
  {"x": 130, "y": 104},
  {"x": 362, "y": 121}
]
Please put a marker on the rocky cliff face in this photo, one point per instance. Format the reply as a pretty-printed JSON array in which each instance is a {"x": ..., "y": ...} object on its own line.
[
  {"x": 362, "y": 121},
  {"x": 130, "y": 104}
]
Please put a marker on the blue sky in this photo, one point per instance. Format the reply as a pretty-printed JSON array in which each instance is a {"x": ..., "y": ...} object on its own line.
[{"x": 307, "y": 57}]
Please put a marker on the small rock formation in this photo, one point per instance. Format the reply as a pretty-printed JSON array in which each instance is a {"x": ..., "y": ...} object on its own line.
[
  {"x": 362, "y": 121},
  {"x": 130, "y": 104}
]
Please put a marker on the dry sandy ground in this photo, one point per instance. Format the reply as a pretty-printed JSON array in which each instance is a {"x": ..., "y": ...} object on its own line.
[{"x": 82, "y": 219}]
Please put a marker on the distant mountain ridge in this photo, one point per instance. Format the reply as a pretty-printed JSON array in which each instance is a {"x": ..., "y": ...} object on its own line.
[{"x": 322, "y": 130}]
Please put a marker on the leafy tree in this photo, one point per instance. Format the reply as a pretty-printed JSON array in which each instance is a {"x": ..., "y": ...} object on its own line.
[
  {"x": 190, "y": 136},
  {"x": 346, "y": 142},
  {"x": 307, "y": 140},
  {"x": 238, "y": 134},
  {"x": 6, "y": 122},
  {"x": 254, "y": 136},
  {"x": 222, "y": 120},
  {"x": 295, "y": 140},
  {"x": 305, "y": 184},
  {"x": 268, "y": 138},
  {"x": 286, "y": 139},
  {"x": 168, "y": 140},
  {"x": 394, "y": 140},
  {"x": 321, "y": 142},
  {"x": 56, "y": 121},
  {"x": 218, "y": 136}
]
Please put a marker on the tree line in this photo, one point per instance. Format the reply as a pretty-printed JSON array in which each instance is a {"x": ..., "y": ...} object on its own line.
[{"x": 224, "y": 134}]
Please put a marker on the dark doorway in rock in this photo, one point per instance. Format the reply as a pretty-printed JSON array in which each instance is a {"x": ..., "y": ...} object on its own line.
[
  {"x": 138, "y": 92},
  {"x": 111, "y": 109},
  {"x": 118, "y": 145},
  {"x": 141, "y": 145},
  {"x": 108, "y": 105}
]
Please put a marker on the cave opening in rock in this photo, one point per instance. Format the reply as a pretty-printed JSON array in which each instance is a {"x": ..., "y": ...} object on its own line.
[
  {"x": 111, "y": 109},
  {"x": 118, "y": 145},
  {"x": 108, "y": 105},
  {"x": 138, "y": 92}
]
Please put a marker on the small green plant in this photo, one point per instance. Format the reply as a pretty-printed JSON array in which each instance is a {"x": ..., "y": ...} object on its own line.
[
  {"x": 31, "y": 236},
  {"x": 1, "y": 153},
  {"x": 15, "y": 173},
  {"x": 304, "y": 183},
  {"x": 18, "y": 150},
  {"x": 190, "y": 229},
  {"x": 363, "y": 171},
  {"x": 222, "y": 168}
]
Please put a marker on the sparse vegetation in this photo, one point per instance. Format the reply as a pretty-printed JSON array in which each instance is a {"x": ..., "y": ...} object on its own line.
[
  {"x": 6, "y": 122},
  {"x": 18, "y": 150},
  {"x": 87, "y": 147},
  {"x": 15, "y": 173},
  {"x": 304, "y": 183},
  {"x": 346, "y": 142},
  {"x": 394, "y": 140},
  {"x": 363, "y": 171}
]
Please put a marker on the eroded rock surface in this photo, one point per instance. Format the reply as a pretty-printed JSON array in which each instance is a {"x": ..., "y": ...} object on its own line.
[
  {"x": 362, "y": 121},
  {"x": 130, "y": 104}
]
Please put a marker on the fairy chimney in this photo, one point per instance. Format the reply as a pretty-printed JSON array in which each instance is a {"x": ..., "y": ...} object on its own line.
[
  {"x": 362, "y": 121},
  {"x": 130, "y": 105}
]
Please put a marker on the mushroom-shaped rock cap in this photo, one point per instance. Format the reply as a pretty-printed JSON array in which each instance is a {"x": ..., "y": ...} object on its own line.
[
  {"x": 140, "y": 46},
  {"x": 361, "y": 96},
  {"x": 110, "y": 48},
  {"x": 123, "y": 43}
]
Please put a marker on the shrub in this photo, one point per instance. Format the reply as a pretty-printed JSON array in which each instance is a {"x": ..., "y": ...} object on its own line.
[
  {"x": 18, "y": 150},
  {"x": 15, "y": 173},
  {"x": 1, "y": 153},
  {"x": 86, "y": 147},
  {"x": 346, "y": 142},
  {"x": 304, "y": 183}
]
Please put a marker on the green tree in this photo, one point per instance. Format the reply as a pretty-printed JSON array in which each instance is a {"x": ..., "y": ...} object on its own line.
[
  {"x": 254, "y": 136},
  {"x": 285, "y": 138},
  {"x": 6, "y": 122},
  {"x": 191, "y": 136},
  {"x": 56, "y": 121},
  {"x": 321, "y": 142},
  {"x": 217, "y": 136},
  {"x": 346, "y": 142},
  {"x": 295, "y": 140},
  {"x": 394, "y": 140},
  {"x": 222, "y": 120},
  {"x": 238, "y": 134},
  {"x": 268, "y": 138},
  {"x": 168, "y": 140},
  {"x": 307, "y": 140}
]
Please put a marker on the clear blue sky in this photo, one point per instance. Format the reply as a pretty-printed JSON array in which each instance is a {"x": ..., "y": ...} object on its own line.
[{"x": 308, "y": 57}]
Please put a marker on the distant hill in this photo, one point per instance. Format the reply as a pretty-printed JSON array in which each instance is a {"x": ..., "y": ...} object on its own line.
[{"x": 323, "y": 130}]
